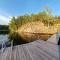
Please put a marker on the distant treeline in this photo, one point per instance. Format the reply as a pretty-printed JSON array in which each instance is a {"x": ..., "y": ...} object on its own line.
[{"x": 4, "y": 29}]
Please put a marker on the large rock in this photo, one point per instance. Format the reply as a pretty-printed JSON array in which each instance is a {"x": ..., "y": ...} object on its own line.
[{"x": 35, "y": 30}]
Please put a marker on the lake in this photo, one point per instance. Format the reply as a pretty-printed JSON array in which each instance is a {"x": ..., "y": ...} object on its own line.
[{"x": 4, "y": 39}]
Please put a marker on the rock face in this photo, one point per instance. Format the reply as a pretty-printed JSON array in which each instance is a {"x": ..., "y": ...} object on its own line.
[
  {"x": 36, "y": 30},
  {"x": 37, "y": 27},
  {"x": 32, "y": 27}
]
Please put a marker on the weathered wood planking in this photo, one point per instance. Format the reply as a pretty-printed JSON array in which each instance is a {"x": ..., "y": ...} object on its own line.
[{"x": 37, "y": 50}]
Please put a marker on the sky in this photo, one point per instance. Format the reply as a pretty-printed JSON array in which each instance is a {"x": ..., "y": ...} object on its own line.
[{"x": 10, "y": 8}]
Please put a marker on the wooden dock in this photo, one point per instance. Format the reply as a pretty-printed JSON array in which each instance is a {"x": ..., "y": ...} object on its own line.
[{"x": 37, "y": 50}]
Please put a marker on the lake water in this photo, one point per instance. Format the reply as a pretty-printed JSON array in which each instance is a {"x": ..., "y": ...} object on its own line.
[{"x": 3, "y": 38}]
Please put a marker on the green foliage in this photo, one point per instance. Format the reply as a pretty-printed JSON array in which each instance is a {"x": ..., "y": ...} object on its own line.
[
  {"x": 22, "y": 20},
  {"x": 16, "y": 23},
  {"x": 12, "y": 25},
  {"x": 45, "y": 18}
]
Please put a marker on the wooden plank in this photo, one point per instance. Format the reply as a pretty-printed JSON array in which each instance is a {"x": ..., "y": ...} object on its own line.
[{"x": 37, "y": 50}]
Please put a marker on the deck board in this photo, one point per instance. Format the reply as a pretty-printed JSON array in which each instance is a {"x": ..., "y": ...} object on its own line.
[{"x": 37, "y": 50}]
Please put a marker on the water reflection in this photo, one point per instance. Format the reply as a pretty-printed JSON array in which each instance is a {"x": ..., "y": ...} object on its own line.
[
  {"x": 4, "y": 39},
  {"x": 17, "y": 39}
]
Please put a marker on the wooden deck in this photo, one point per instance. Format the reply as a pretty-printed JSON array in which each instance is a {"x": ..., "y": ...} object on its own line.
[{"x": 37, "y": 50}]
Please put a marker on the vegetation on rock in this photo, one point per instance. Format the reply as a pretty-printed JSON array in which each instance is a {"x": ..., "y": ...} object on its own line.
[{"x": 35, "y": 23}]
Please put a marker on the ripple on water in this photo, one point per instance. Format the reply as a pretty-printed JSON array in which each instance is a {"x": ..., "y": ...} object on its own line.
[{"x": 3, "y": 38}]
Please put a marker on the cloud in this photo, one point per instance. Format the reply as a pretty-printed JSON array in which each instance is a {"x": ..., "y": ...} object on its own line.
[{"x": 4, "y": 19}]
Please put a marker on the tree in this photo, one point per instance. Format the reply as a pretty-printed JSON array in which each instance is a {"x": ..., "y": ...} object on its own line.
[
  {"x": 12, "y": 25},
  {"x": 49, "y": 15}
]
